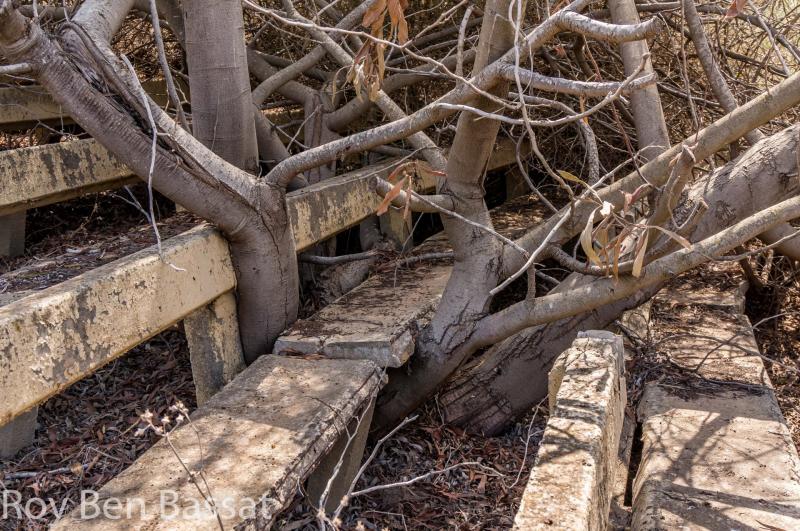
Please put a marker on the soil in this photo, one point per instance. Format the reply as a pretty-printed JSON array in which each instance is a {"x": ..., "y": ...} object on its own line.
[
  {"x": 774, "y": 311},
  {"x": 70, "y": 238},
  {"x": 481, "y": 496},
  {"x": 89, "y": 432}
]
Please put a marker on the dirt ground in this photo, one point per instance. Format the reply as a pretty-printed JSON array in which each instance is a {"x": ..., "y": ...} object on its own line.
[
  {"x": 483, "y": 495},
  {"x": 67, "y": 239},
  {"x": 87, "y": 435}
]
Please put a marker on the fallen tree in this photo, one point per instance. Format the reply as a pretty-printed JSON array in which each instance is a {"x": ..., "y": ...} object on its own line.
[{"x": 232, "y": 166}]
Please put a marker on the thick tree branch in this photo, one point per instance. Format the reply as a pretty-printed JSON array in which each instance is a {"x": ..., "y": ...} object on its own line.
[
  {"x": 709, "y": 140},
  {"x": 498, "y": 326}
]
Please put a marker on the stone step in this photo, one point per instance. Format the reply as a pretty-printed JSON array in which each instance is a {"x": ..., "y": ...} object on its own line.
[
  {"x": 379, "y": 319},
  {"x": 717, "y": 453},
  {"x": 254, "y": 442}
]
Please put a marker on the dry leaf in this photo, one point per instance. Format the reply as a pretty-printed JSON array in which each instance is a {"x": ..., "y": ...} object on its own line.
[
  {"x": 424, "y": 168},
  {"x": 586, "y": 240},
  {"x": 571, "y": 177},
  {"x": 639, "y": 261},
  {"x": 398, "y": 20},
  {"x": 387, "y": 200},
  {"x": 675, "y": 236},
  {"x": 736, "y": 8},
  {"x": 374, "y": 13}
]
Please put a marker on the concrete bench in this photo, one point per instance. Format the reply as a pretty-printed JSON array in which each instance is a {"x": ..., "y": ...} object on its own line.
[
  {"x": 53, "y": 173},
  {"x": 572, "y": 480},
  {"x": 47, "y": 174},
  {"x": 261, "y": 437},
  {"x": 379, "y": 319},
  {"x": 717, "y": 453},
  {"x": 24, "y": 106},
  {"x": 55, "y": 337}
]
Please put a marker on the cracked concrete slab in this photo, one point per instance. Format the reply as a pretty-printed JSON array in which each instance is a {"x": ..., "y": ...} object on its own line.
[
  {"x": 379, "y": 319},
  {"x": 262, "y": 435},
  {"x": 716, "y": 453},
  {"x": 572, "y": 480}
]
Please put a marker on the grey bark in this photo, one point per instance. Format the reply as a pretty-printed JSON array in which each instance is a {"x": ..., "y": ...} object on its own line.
[
  {"x": 493, "y": 390},
  {"x": 512, "y": 375},
  {"x": 651, "y": 129},
  {"x": 476, "y": 268},
  {"x": 718, "y": 84},
  {"x": 219, "y": 82},
  {"x": 252, "y": 215}
]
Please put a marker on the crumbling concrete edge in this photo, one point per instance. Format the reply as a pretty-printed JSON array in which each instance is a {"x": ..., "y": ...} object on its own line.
[{"x": 572, "y": 480}]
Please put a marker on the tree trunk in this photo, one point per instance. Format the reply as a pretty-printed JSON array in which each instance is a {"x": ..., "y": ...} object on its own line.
[
  {"x": 223, "y": 120},
  {"x": 651, "y": 129},
  {"x": 506, "y": 381},
  {"x": 219, "y": 82},
  {"x": 476, "y": 268},
  {"x": 251, "y": 215},
  {"x": 490, "y": 392}
]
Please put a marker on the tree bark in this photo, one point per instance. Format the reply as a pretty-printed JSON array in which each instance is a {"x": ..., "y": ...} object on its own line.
[
  {"x": 219, "y": 81},
  {"x": 223, "y": 120},
  {"x": 251, "y": 215},
  {"x": 493, "y": 390},
  {"x": 486, "y": 394},
  {"x": 511, "y": 376},
  {"x": 476, "y": 268},
  {"x": 648, "y": 116}
]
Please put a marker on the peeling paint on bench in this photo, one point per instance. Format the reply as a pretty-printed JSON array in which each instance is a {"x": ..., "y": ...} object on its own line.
[
  {"x": 572, "y": 479},
  {"x": 55, "y": 337},
  {"x": 47, "y": 174},
  {"x": 262, "y": 435}
]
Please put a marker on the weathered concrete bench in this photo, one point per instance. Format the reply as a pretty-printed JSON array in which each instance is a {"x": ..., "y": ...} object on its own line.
[
  {"x": 52, "y": 173},
  {"x": 572, "y": 479},
  {"x": 717, "y": 453},
  {"x": 55, "y": 337},
  {"x": 24, "y": 106},
  {"x": 379, "y": 319},
  {"x": 255, "y": 442},
  {"x": 48, "y": 174}
]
